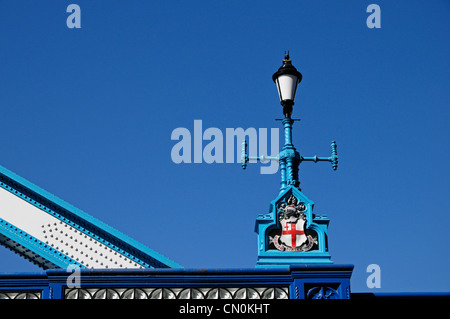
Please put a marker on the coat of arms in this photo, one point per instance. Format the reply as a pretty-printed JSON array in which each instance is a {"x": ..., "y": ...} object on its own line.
[{"x": 292, "y": 236}]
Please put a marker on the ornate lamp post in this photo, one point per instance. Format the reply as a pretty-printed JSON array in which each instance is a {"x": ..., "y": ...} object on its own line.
[{"x": 290, "y": 233}]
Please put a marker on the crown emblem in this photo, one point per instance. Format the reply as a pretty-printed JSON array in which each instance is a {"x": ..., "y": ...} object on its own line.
[{"x": 290, "y": 209}]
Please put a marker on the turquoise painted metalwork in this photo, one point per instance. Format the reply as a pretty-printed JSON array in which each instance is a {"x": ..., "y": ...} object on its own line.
[
  {"x": 273, "y": 250},
  {"x": 76, "y": 218},
  {"x": 289, "y": 158},
  {"x": 53, "y": 258},
  {"x": 265, "y": 223}
]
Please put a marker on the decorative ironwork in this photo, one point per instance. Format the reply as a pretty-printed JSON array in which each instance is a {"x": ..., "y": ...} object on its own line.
[
  {"x": 20, "y": 295},
  {"x": 322, "y": 292},
  {"x": 179, "y": 293}
]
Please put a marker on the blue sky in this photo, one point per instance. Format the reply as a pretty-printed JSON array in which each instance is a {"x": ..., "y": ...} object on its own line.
[{"x": 87, "y": 114}]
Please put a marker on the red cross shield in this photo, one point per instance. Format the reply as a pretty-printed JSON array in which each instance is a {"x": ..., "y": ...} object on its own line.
[{"x": 293, "y": 233}]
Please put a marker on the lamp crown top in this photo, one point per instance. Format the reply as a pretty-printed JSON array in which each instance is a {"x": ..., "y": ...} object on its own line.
[
  {"x": 287, "y": 68},
  {"x": 286, "y": 56}
]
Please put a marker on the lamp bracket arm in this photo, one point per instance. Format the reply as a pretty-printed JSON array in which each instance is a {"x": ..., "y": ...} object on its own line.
[
  {"x": 245, "y": 158},
  {"x": 333, "y": 158}
]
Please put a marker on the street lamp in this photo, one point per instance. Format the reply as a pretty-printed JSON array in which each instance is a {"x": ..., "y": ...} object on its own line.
[
  {"x": 287, "y": 78},
  {"x": 290, "y": 233}
]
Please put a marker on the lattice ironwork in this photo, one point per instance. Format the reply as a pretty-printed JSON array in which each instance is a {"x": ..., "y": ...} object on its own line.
[
  {"x": 20, "y": 295},
  {"x": 178, "y": 293}
]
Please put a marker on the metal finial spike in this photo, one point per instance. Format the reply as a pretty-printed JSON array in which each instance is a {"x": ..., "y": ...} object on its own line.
[{"x": 286, "y": 56}]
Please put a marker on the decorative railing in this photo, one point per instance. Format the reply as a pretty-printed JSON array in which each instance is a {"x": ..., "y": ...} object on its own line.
[
  {"x": 307, "y": 281},
  {"x": 178, "y": 293},
  {"x": 20, "y": 295}
]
